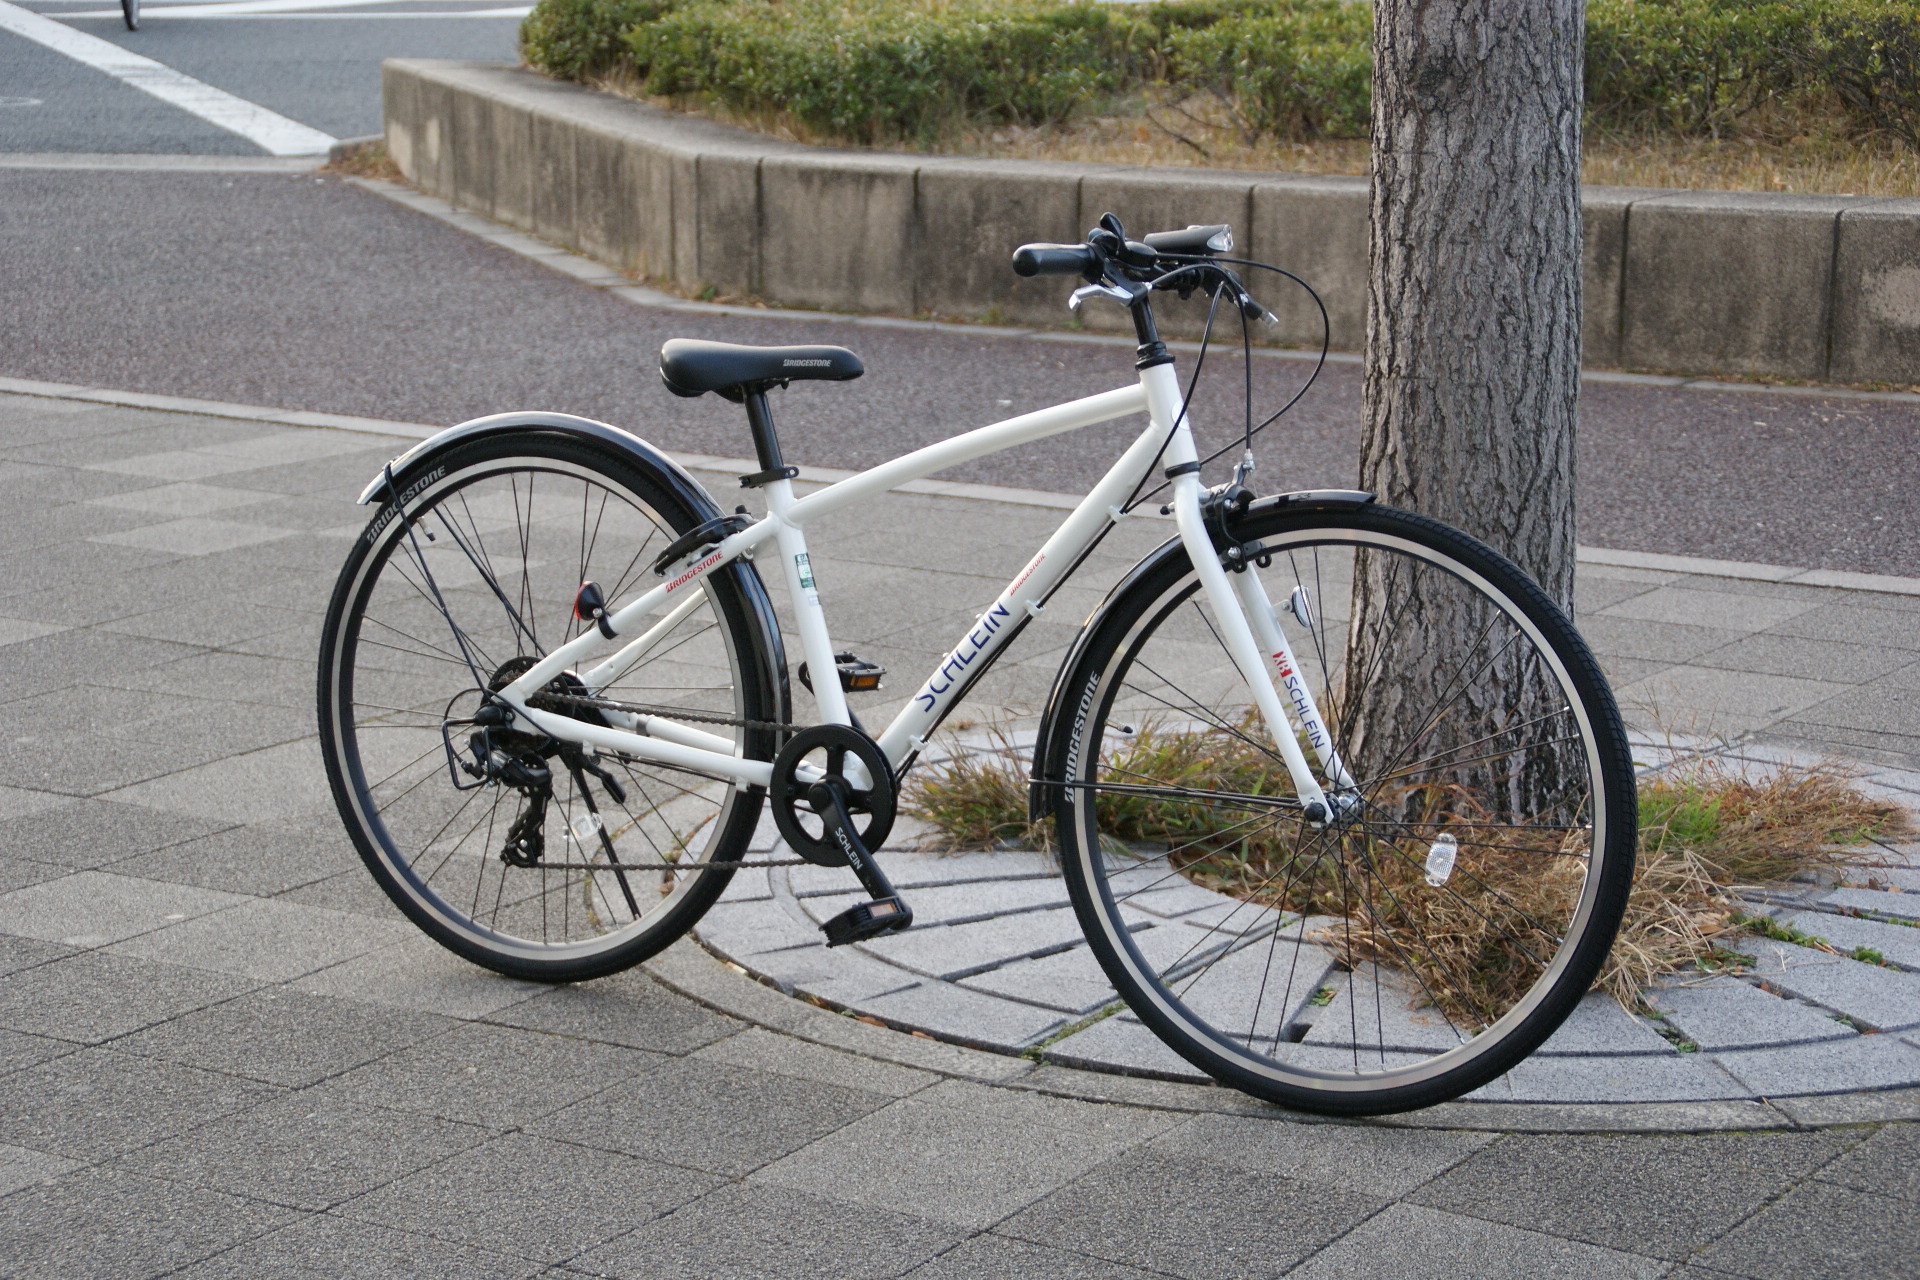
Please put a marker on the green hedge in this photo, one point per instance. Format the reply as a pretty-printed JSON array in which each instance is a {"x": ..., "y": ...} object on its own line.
[{"x": 1293, "y": 69}]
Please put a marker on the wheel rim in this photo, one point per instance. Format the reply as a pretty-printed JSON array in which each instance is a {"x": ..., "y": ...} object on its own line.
[
  {"x": 510, "y": 542},
  {"x": 1326, "y": 962}
]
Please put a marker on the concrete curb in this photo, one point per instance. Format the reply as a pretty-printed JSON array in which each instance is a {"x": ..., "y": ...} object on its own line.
[
  {"x": 1703, "y": 282},
  {"x": 694, "y": 973},
  {"x": 1696, "y": 566}
]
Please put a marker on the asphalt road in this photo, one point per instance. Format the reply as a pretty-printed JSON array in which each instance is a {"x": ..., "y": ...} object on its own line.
[
  {"x": 318, "y": 64},
  {"x": 306, "y": 293}
]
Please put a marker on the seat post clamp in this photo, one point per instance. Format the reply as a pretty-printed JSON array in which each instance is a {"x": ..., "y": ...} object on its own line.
[{"x": 768, "y": 476}]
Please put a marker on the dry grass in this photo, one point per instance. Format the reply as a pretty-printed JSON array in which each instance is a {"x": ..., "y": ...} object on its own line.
[
  {"x": 369, "y": 160},
  {"x": 1800, "y": 153},
  {"x": 1707, "y": 828}
]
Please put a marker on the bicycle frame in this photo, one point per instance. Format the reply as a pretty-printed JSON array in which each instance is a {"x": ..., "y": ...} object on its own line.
[{"x": 1248, "y": 628}]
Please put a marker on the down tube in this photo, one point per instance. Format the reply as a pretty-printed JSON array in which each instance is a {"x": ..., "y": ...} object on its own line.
[{"x": 992, "y": 630}]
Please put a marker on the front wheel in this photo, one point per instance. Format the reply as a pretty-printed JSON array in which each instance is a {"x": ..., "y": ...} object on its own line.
[
  {"x": 612, "y": 857},
  {"x": 130, "y": 11},
  {"x": 1435, "y": 934}
]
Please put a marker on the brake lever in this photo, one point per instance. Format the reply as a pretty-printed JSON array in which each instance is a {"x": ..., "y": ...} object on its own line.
[{"x": 1125, "y": 294}]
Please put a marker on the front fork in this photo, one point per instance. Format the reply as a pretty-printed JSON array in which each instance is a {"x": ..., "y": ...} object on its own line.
[{"x": 1258, "y": 646}]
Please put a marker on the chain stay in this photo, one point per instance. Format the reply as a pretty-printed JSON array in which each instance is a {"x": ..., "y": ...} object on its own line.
[{"x": 667, "y": 713}]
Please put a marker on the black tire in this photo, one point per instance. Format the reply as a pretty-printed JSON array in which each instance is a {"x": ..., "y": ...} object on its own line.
[
  {"x": 1323, "y": 969},
  {"x": 525, "y": 518},
  {"x": 130, "y": 11}
]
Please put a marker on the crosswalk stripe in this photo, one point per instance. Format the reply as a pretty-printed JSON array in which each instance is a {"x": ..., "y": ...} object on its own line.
[{"x": 268, "y": 130}]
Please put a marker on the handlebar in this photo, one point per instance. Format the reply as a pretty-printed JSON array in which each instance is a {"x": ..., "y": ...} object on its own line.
[
  {"x": 1056, "y": 260},
  {"x": 1177, "y": 260}
]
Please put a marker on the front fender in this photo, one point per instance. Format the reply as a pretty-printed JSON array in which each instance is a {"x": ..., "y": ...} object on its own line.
[{"x": 1039, "y": 794}]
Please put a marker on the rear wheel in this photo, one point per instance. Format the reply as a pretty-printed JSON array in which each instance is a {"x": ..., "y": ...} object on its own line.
[
  {"x": 582, "y": 877},
  {"x": 1434, "y": 937},
  {"x": 130, "y": 11}
]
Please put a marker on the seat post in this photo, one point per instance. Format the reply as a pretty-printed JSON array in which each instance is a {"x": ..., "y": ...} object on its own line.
[{"x": 760, "y": 422}]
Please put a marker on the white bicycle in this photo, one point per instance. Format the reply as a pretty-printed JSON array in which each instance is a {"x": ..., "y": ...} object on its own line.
[{"x": 1366, "y": 756}]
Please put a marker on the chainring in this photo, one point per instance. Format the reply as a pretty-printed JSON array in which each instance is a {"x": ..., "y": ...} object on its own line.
[{"x": 872, "y": 807}]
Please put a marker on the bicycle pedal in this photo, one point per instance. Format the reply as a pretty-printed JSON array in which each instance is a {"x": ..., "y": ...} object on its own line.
[{"x": 865, "y": 920}]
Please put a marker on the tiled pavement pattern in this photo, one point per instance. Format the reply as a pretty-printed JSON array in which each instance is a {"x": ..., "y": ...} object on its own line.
[{"x": 221, "y": 1053}]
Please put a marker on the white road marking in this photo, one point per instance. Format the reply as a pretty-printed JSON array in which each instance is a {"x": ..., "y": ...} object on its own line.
[
  {"x": 151, "y": 15},
  {"x": 268, "y": 130}
]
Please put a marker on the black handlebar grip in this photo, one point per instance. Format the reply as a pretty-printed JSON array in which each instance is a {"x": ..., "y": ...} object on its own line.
[{"x": 1052, "y": 260}]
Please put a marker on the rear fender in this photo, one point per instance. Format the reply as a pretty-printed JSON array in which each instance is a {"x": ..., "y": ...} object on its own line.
[{"x": 415, "y": 469}]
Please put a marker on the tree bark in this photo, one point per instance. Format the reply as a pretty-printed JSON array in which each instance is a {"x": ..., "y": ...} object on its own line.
[
  {"x": 1473, "y": 302},
  {"x": 1472, "y": 368}
]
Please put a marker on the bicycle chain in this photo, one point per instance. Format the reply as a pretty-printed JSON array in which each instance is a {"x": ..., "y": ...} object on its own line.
[{"x": 667, "y": 713}]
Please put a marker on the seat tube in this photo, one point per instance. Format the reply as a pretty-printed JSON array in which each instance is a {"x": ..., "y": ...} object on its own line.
[{"x": 809, "y": 618}]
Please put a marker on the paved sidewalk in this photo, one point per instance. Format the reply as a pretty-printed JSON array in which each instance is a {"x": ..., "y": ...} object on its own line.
[{"x": 223, "y": 1054}]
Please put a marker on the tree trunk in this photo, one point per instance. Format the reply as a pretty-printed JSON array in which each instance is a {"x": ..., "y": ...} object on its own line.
[
  {"x": 1473, "y": 339},
  {"x": 1473, "y": 305}
]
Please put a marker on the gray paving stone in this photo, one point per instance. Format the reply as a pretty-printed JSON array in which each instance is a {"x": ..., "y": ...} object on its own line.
[
  {"x": 1816, "y": 1232},
  {"x": 628, "y": 1008},
  {"x": 1897, "y": 906},
  {"x": 18, "y": 1050},
  {"x": 749, "y": 928},
  {"x": 284, "y": 1037},
  {"x": 353, "y": 891},
  {"x": 322, "y": 1247},
  {"x": 964, "y": 1154},
  {"x": 1407, "y": 1242},
  {"x": 27, "y": 953},
  {"x": 269, "y": 939},
  {"x": 947, "y": 904},
  {"x": 93, "y": 908},
  {"x": 726, "y": 1120},
  {"x": 1678, "y": 1077},
  {"x": 532, "y": 1197},
  {"x": 963, "y": 1015},
  {"x": 93, "y": 833},
  {"x": 1886, "y": 1164},
  {"x": 1831, "y": 1066},
  {"x": 260, "y": 860},
  {"x": 91, "y": 997},
  {"x": 1598, "y": 1025},
  {"x": 763, "y": 1050},
  {"x": 1885, "y": 999},
  {"x": 1662, "y": 1196},
  {"x": 18, "y": 873},
  {"x": 992, "y": 1257},
  {"x": 1726, "y": 1013},
  {"x": 282, "y": 783},
  {"x": 500, "y": 1077},
  {"x": 420, "y": 974},
  {"x": 841, "y": 976},
  {"x": 98, "y": 1103},
  {"x": 25, "y": 1167},
  {"x": 1191, "y": 1219},
  {"x": 1386, "y": 1164},
  {"x": 1121, "y": 1042},
  {"x": 104, "y": 1224},
  {"x": 310, "y": 1149},
  {"x": 751, "y": 1232},
  {"x": 1070, "y": 981},
  {"x": 956, "y": 951}
]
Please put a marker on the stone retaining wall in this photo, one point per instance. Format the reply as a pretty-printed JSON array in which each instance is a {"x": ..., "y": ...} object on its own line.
[{"x": 1820, "y": 287}]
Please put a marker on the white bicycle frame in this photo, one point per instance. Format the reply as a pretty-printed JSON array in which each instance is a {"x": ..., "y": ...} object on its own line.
[{"x": 1247, "y": 622}]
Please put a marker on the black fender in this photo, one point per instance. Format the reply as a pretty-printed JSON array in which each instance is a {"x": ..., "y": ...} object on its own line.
[
  {"x": 1040, "y": 795},
  {"x": 416, "y": 465}
]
